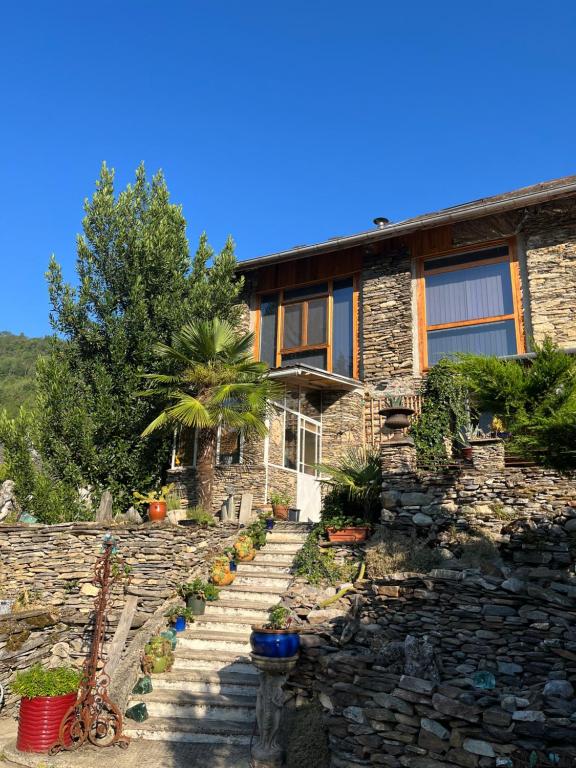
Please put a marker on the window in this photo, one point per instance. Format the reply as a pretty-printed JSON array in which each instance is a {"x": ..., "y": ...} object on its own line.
[
  {"x": 313, "y": 325},
  {"x": 228, "y": 447},
  {"x": 469, "y": 304}
]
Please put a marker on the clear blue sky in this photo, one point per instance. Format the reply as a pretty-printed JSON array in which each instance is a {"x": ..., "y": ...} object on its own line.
[{"x": 278, "y": 122}]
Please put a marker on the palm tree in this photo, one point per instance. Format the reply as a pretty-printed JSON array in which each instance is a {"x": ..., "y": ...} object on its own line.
[{"x": 214, "y": 381}]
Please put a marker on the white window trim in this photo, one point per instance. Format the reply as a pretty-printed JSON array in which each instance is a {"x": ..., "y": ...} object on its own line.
[{"x": 195, "y": 451}]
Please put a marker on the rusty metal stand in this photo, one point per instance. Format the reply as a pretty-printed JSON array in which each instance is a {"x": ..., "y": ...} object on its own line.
[{"x": 94, "y": 718}]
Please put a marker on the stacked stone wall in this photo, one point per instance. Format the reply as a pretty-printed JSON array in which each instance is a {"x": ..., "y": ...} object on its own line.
[
  {"x": 51, "y": 567},
  {"x": 447, "y": 669}
]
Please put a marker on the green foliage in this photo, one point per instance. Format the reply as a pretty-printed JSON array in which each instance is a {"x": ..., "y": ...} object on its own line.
[
  {"x": 18, "y": 356},
  {"x": 215, "y": 289},
  {"x": 445, "y": 414},
  {"x": 279, "y": 617},
  {"x": 338, "y": 522},
  {"x": 38, "y": 681},
  {"x": 203, "y": 590},
  {"x": 213, "y": 380},
  {"x": 180, "y": 610},
  {"x": 536, "y": 401},
  {"x": 279, "y": 499},
  {"x": 156, "y": 494},
  {"x": 136, "y": 286},
  {"x": 200, "y": 516},
  {"x": 49, "y": 499},
  {"x": 317, "y": 565},
  {"x": 356, "y": 483},
  {"x": 257, "y": 532}
]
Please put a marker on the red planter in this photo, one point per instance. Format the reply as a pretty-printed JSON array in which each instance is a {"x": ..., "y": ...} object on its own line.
[
  {"x": 39, "y": 721},
  {"x": 157, "y": 511},
  {"x": 348, "y": 535}
]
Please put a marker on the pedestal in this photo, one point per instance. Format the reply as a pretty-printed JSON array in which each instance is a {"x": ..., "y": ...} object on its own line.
[{"x": 266, "y": 752}]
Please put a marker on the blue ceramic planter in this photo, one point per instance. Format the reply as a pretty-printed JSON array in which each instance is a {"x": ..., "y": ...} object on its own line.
[
  {"x": 269, "y": 523},
  {"x": 180, "y": 624},
  {"x": 275, "y": 644},
  {"x": 233, "y": 566}
]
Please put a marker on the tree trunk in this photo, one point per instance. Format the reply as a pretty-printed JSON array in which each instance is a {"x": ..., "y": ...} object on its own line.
[{"x": 205, "y": 467}]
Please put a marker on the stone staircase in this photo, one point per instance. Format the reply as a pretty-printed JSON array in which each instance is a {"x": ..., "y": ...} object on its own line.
[{"x": 210, "y": 694}]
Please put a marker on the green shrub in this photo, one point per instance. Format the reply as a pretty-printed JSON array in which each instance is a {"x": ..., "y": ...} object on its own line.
[
  {"x": 279, "y": 617},
  {"x": 257, "y": 532},
  {"x": 318, "y": 565},
  {"x": 48, "y": 499},
  {"x": 355, "y": 482},
  {"x": 39, "y": 681},
  {"x": 201, "y": 516}
]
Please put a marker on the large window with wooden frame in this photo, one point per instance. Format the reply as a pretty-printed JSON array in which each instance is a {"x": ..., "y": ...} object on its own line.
[
  {"x": 314, "y": 324},
  {"x": 470, "y": 302}
]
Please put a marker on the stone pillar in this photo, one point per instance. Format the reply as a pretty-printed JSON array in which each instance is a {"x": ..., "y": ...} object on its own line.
[
  {"x": 266, "y": 751},
  {"x": 398, "y": 457},
  {"x": 487, "y": 454}
]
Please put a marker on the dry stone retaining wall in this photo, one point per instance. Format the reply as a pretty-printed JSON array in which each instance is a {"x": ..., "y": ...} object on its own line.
[{"x": 55, "y": 565}]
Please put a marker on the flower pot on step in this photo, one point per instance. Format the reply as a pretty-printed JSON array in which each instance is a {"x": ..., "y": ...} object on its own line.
[
  {"x": 39, "y": 722},
  {"x": 275, "y": 643},
  {"x": 349, "y": 535},
  {"x": 196, "y": 605},
  {"x": 157, "y": 511}
]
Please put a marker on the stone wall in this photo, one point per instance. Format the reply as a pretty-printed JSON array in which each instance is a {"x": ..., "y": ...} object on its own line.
[
  {"x": 54, "y": 565},
  {"x": 551, "y": 266},
  {"x": 447, "y": 669},
  {"x": 386, "y": 317},
  {"x": 342, "y": 423}
]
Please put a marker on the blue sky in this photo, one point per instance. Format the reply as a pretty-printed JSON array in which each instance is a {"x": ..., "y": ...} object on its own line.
[{"x": 280, "y": 123}]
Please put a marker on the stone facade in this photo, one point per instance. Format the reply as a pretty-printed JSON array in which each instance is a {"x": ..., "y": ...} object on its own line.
[{"x": 53, "y": 564}]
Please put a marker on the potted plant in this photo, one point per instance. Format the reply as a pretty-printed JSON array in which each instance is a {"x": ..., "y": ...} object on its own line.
[
  {"x": 47, "y": 695},
  {"x": 156, "y": 501},
  {"x": 158, "y": 655},
  {"x": 197, "y": 593},
  {"x": 230, "y": 553},
  {"x": 222, "y": 574},
  {"x": 244, "y": 547},
  {"x": 397, "y": 417},
  {"x": 178, "y": 616},
  {"x": 280, "y": 502},
  {"x": 277, "y": 638},
  {"x": 346, "y": 530},
  {"x": 269, "y": 520}
]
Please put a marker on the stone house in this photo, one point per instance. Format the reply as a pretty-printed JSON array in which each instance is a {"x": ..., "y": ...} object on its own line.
[{"x": 344, "y": 321}]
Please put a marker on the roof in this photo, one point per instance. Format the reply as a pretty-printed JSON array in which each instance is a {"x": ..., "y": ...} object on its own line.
[
  {"x": 314, "y": 377},
  {"x": 519, "y": 198}
]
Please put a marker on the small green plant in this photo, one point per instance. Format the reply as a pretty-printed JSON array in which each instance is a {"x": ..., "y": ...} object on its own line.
[
  {"x": 279, "y": 617},
  {"x": 279, "y": 499},
  {"x": 173, "y": 502},
  {"x": 39, "y": 681},
  {"x": 200, "y": 589},
  {"x": 257, "y": 532},
  {"x": 201, "y": 516},
  {"x": 338, "y": 522},
  {"x": 71, "y": 585},
  {"x": 159, "y": 494},
  {"x": 394, "y": 401},
  {"x": 180, "y": 610},
  {"x": 319, "y": 566}
]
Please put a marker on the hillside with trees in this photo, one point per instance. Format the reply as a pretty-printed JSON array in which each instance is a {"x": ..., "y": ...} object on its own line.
[{"x": 18, "y": 355}]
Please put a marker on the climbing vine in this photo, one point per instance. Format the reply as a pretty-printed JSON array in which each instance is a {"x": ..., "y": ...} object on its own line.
[{"x": 445, "y": 414}]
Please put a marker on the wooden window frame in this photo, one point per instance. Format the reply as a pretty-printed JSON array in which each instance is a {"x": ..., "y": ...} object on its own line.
[
  {"x": 328, "y": 344},
  {"x": 511, "y": 258}
]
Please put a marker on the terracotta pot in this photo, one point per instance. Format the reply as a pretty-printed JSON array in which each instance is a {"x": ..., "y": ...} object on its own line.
[
  {"x": 39, "y": 722},
  {"x": 157, "y": 511},
  {"x": 348, "y": 535},
  {"x": 280, "y": 512}
]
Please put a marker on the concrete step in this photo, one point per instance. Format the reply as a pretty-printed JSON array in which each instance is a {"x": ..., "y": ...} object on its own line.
[
  {"x": 282, "y": 547},
  {"x": 280, "y": 537},
  {"x": 175, "y": 704},
  {"x": 187, "y": 660},
  {"x": 273, "y": 558},
  {"x": 256, "y": 566},
  {"x": 280, "y": 581},
  {"x": 207, "y": 681},
  {"x": 238, "y": 624},
  {"x": 267, "y": 596},
  {"x": 203, "y": 640},
  {"x": 199, "y": 731},
  {"x": 246, "y": 611}
]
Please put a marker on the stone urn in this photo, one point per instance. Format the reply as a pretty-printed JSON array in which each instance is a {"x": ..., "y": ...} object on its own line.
[{"x": 397, "y": 420}]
